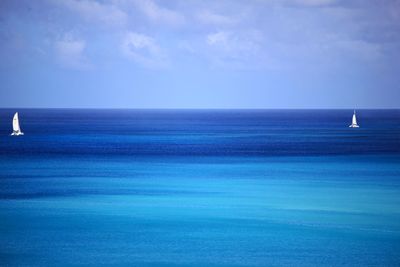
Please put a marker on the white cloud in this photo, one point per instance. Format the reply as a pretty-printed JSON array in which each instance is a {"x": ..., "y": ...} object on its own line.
[
  {"x": 157, "y": 13},
  {"x": 235, "y": 49},
  {"x": 208, "y": 17},
  {"x": 312, "y": 2},
  {"x": 247, "y": 42},
  {"x": 96, "y": 11},
  {"x": 356, "y": 49},
  {"x": 218, "y": 38},
  {"x": 143, "y": 50},
  {"x": 187, "y": 46},
  {"x": 70, "y": 53}
]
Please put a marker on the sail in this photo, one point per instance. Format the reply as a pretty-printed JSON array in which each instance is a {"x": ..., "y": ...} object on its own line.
[
  {"x": 354, "y": 121},
  {"x": 16, "y": 127}
]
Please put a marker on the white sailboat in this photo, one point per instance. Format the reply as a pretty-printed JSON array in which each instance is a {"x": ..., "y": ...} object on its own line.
[
  {"x": 16, "y": 127},
  {"x": 354, "y": 121}
]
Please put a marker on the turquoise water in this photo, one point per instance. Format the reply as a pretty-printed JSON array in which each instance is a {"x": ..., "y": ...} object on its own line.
[{"x": 195, "y": 188}]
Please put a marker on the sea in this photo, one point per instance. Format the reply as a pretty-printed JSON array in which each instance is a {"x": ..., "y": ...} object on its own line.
[{"x": 183, "y": 188}]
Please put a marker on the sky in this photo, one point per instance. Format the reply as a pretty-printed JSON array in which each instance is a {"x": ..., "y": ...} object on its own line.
[{"x": 200, "y": 54}]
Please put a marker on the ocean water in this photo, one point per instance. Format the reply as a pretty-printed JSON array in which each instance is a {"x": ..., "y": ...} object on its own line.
[{"x": 200, "y": 188}]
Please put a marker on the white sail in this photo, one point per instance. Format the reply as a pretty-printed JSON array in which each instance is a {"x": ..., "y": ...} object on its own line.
[
  {"x": 354, "y": 121},
  {"x": 16, "y": 127}
]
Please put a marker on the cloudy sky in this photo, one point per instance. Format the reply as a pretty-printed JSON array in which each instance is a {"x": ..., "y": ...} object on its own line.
[{"x": 200, "y": 54}]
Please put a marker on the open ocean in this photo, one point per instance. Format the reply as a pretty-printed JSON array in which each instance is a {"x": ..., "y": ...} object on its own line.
[{"x": 200, "y": 188}]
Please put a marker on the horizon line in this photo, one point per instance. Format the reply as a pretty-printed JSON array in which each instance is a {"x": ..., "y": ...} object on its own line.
[{"x": 126, "y": 108}]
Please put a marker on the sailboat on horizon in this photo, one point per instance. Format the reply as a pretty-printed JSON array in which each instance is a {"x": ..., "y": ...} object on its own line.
[
  {"x": 354, "y": 121},
  {"x": 16, "y": 127}
]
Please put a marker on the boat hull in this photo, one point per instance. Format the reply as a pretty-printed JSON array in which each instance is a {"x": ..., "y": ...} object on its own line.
[{"x": 17, "y": 133}]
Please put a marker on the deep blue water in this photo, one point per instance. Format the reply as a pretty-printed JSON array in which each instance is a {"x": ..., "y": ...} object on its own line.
[{"x": 200, "y": 188}]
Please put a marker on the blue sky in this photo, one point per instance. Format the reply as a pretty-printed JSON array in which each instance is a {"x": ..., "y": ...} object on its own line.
[{"x": 200, "y": 54}]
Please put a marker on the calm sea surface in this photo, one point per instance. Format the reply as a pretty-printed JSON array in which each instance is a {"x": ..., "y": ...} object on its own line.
[{"x": 200, "y": 188}]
